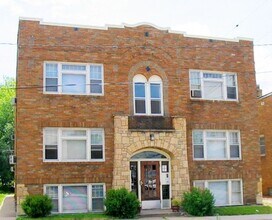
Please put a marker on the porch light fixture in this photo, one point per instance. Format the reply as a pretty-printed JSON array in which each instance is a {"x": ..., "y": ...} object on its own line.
[
  {"x": 148, "y": 68},
  {"x": 152, "y": 137}
]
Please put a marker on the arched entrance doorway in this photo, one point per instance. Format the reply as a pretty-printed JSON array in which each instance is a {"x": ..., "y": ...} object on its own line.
[{"x": 151, "y": 178}]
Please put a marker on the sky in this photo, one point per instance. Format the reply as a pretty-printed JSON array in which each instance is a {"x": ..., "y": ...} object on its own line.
[{"x": 224, "y": 18}]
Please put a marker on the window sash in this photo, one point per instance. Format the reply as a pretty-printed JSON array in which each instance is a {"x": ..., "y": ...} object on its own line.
[
  {"x": 146, "y": 102},
  {"x": 216, "y": 145},
  {"x": 74, "y": 144},
  {"x": 202, "y": 81},
  {"x": 262, "y": 145},
  {"x": 55, "y": 79}
]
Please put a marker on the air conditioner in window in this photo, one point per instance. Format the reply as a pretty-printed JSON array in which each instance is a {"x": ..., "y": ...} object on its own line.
[
  {"x": 196, "y": 93},
  {"x": 12, "y": 159}
]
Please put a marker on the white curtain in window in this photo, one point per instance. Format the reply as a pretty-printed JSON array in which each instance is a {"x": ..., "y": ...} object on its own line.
[
  {"x": 213, "y": 90},
  {"x": 75, "y": 199},
  {"x": 51, "y": 135},
  {"x": 216, "y": 149},
  {"x": 73, "y": 83},
  {"x": 236, "y": 193},
  {"x": 220, "y": 192},
  {"x": 74, "y": 149}
]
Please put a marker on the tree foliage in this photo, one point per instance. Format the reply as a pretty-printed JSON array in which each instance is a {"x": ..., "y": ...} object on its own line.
[{"x": 6, "y": 131}]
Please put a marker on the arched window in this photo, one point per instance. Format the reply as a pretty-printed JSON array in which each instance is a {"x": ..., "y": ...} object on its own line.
[{"x": 147, "y": 95}]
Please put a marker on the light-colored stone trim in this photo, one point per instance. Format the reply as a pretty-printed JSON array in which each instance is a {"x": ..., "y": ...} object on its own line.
[{"x": 127, "y": 142}]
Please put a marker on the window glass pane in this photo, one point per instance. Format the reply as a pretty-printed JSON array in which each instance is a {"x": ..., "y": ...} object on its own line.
[
  {"x": 230, "y": 80},
  {"x": 51, "y": 70},
  {"x": 155, "y": 90},
  {"x": 231, "y": 92},
  {"x": 52, "y": 192},
  {"x": 236, "y": 186},
  {"x": 51, "y": 136},
  {"x": 262, "y": 145},
  {"x": 96, "y": 72},
  {"x": 155, "y": 107},
  {"x": 97, "y": 197},
  {"x": 216, "y": 134},
  {"x": 195, "y": 80},
  {"x": 262, "y": 141},
  {"x": 140, "y": 106},
  {"x": 74, "y": 83},
  {"x": 216, "y": 149},
  {"x": 198, "y": 151},
  {"x": 73, "y": 67},
  {"x": 139, "y": 90},
  {"x": 75, "y": 198},
  {"x": 234, "y": 151},
  {"x": 96, "y": 86},
  {"x": 199, "y": 184},
  {"x": 234, "y": 138},
  {"x": 213, "y": 90},
  {"x": 74, "y": 133},
  {"x": 236, "y": 192},
  {"x": 212, "y": 75},
  {"x": 51, "y": 152},
  {"x": 97, "y": 191},
  {"x": 96, "y": 152},
  {"x": 96, "y": 137},
  {"x": 197, "y": 137},
  {"x": 236, "y": 199},
  {"x": 98, "y": 204},
  {"x": 220, "y": 192},
  {"x": 51, "y": 143},
  {"x": 148, "y": 155},
  {"x": 51, "y": 84},
  {"x": 74, "y": 149}
]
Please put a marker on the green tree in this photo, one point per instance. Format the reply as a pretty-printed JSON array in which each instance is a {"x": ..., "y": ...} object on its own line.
[{"x": 7, "y": 92}]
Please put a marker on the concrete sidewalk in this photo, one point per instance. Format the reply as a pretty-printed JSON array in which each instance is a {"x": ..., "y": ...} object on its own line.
[
  {"x": 7, "y": 211},
  {"x": 236, "y": 217}
]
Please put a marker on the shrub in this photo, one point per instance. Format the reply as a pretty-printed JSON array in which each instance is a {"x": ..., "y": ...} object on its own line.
[
  {"x": 121, "y": 203},
  {"x": 37, "y": 206},
  {"x": 198, "y": 202}
]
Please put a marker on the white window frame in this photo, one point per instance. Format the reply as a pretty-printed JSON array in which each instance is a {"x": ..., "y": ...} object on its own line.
[
  {"x": 89, "y": 194},
  {"x": 262, "y": 136},
  {"x": 229, "y": 182},
  {"x": 88, "y": 144},
  {"x": 227, "y": 132},
  {"x": 148, "y": 98},
  {"x": 223, "y": 80},
  {"x": 61, "y": 72}
]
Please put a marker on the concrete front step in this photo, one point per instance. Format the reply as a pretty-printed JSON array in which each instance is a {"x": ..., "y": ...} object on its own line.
[{"x": 158, "y": 212}]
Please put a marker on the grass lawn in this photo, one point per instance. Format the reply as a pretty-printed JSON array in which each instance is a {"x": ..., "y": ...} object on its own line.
[
  {"x": 70, "y": 216},
  {"x": 2, "y": 196},
  {"x": 244, "y": 210}
]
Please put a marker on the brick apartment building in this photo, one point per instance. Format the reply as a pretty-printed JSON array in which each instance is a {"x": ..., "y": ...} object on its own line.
[
  {"x": 140, "y": 107},
  {"x": 265, "y": 127}
]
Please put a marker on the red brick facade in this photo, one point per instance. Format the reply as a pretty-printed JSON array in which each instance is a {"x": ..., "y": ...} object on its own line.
[
  {"x": 265, "y": 126},
  {"x": 170, "y": 56}
]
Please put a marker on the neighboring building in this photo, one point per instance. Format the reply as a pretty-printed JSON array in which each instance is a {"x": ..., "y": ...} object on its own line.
[
  {"x": 265, "y": 127},
  {"x": 138, "y": 107}
]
